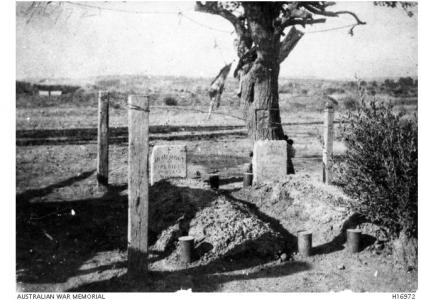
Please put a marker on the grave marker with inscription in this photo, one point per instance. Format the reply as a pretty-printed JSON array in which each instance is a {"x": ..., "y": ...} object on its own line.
[
  {"x": 270, "y": 161},
  {"x": 168, "y": 162}
]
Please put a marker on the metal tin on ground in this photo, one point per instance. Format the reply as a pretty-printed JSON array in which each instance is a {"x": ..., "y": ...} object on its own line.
[
  {"x": 353, "y": 240},
  {"x": 247, "y": 179},
  {"x": 304, "y": 243},
  {"x": 186, "y": 248},
  {"x": 214, "y": 181}
]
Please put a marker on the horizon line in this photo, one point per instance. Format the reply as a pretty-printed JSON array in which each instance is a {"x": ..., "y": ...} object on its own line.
[{"x": 87, "y": 78}]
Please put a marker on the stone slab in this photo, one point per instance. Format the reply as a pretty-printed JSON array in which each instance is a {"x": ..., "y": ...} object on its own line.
[
  {"x": 168, "y": 161},
  {"x": 270, "y": 161}
]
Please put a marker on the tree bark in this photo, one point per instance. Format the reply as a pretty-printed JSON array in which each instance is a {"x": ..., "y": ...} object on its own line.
[
  {"x": 260, "y": 84},
  {"x": 260, "y": 99}
]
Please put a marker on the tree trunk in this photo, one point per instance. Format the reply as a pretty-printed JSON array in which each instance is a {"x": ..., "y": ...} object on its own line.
[
  {"x": 261, "y": 108},
  {"x": 260, "y": 84}
]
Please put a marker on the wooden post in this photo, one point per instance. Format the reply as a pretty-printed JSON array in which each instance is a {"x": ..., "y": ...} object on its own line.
[
  {"x": 138, "y": 185},
  {"x": 102, "y": 160},
  {"x": 328, "y": 143}
]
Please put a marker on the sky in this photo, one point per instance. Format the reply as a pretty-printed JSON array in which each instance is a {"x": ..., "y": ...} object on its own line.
[{"x": 75, "y": 41}]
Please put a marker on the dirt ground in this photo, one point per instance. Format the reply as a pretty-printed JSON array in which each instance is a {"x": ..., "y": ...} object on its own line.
[
  {"x": 80, "y": 245},
  {"x": 72, "y": 237}
]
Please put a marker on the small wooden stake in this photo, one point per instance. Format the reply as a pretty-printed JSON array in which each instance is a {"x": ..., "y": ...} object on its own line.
[
  {"x": 304, "y": 243},
  {"x": 138, "y": 185},
  {"x": 353, "y": 240},
  {"x": 102, "y": 160},
  {"x": 328, "y": 143}
]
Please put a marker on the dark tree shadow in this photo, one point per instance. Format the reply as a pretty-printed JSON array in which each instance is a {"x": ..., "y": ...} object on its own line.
[
  {"x": 53, "y": 239},
  {"x": 52, "y": 246},
  {"x": 198, "y": 279},
  {"x": 212, "y": 282},
  {"x": 23, "y": 198}
]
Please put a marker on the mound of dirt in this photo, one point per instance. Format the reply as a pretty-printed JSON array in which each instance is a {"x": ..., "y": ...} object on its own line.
[
  {"x": 231, "y": 229},
  {"x": 221, "y": 227},
  {"x": 300, "y": 203},
  {"x": 263, "y": 219}
]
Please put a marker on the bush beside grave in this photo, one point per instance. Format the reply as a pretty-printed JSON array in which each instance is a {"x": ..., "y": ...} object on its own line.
[{"x": 379, "y": 168}]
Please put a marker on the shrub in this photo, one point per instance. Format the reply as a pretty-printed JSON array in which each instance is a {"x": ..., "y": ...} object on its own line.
[
  {"x": 23, "y": 87},
  {"x": 334, "y": 90},
  {"x": 350, "y": 103},
  {"x": 284, "y": 90},
  {"x": 379, "y": 167},
  {"x": 170, "y": 101}
]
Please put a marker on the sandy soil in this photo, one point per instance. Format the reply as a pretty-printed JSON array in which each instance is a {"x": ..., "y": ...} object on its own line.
[
  {"x": 81, "y": 246},
  {"x": 71, "y": 237}
]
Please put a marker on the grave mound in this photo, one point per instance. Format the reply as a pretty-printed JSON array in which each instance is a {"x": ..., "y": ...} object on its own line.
[
  {"x": 221, "y": 226},
  {"x": 300, "y": 203}
]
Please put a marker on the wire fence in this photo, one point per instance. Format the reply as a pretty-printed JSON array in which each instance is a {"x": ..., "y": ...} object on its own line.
[
  {"x": 182, "y": 14},
  {"x": 234, "y": 116}
]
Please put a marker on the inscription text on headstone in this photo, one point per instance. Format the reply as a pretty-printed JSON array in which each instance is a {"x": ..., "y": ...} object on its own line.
[{"x": 168, "y": 162}]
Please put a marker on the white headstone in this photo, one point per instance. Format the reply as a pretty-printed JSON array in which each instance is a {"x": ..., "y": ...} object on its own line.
[
  {"x": 168, "y": 162},
  {"x": 270, "y": 161}
]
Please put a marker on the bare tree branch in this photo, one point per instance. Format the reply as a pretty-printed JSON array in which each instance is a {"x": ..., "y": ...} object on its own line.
[
  {"x": 289, "y": 43},
  {"x": 281, "y": 24},
  {"x": 322, "y": 12},
  {"x": 296, "y": 14},
  {"x": 212, "y": 7},
  {"x": 302, "y": 13},
  {"x": 326, "y": 4}
]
